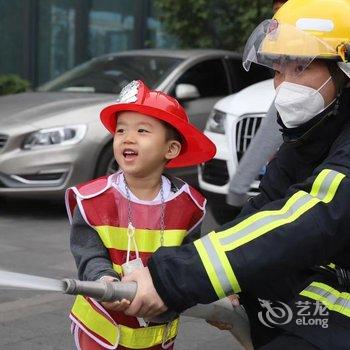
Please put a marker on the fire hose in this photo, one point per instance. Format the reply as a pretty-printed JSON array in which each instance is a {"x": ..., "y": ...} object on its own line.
[{"x": 219, "y": 311}]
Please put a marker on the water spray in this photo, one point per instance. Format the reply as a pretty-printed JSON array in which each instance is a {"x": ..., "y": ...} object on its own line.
[{"x": 22, "y": 281}]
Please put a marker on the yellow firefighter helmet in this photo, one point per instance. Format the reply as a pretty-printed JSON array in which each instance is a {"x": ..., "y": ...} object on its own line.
[{"x": 302, "y": 30}]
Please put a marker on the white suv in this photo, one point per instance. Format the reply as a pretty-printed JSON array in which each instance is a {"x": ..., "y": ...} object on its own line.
[{"x": 232, "y": 124}]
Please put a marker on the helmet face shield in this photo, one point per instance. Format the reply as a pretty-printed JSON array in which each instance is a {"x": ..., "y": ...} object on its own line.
[{"x": 283, "y": 47}]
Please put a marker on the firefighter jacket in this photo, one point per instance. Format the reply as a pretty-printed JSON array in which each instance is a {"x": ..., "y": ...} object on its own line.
[
  {"x": 105, "y": 209},
  {"x": 290, "y": 244}
]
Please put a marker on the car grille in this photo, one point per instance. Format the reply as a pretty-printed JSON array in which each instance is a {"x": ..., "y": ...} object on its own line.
[
  {"x": 3, "y": 140},
  {"x": 215, "y": 172},
  {"x": 245, "y": 131}
]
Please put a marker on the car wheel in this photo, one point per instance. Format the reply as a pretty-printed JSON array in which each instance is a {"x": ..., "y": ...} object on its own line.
[{"x": 107, "y": 164}]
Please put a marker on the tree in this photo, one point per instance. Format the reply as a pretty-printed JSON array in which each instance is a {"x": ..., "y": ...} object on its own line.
[
  {"x": 12, "y": 84},
  {"x": 221, "y": 24}
]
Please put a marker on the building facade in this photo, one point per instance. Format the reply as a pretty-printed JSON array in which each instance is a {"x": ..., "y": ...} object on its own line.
[{"x": 41, "y": 39}]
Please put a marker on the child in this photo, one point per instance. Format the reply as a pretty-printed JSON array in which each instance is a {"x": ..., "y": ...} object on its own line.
[{"x": 118, "y": 221}]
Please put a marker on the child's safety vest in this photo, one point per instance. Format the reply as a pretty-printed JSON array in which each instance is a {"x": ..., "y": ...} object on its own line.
[{"x": 105, "y": 209}]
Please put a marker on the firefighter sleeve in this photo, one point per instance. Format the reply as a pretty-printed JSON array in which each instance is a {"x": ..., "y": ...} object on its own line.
[{"x": 301, "y": 230}]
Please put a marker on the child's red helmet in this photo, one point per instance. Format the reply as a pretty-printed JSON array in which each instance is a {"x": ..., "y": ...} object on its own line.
[{"x": 196, "y": 147}]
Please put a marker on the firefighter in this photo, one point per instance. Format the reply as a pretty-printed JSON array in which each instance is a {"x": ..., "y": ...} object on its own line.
[{"x": 287, "y": 254}]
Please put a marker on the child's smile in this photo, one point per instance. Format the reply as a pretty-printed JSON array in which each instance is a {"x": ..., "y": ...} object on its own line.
[{"x": 130, "y": 154}]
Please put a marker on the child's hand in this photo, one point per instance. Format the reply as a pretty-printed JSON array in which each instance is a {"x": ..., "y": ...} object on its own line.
[
  {"x": 234, "y": 299},
  {"x": 117, "y": 306}
]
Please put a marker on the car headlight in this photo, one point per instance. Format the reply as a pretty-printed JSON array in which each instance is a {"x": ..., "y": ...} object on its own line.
[
  {"x": 216, "y": 122},
  {"x": 64, "y": 135}
]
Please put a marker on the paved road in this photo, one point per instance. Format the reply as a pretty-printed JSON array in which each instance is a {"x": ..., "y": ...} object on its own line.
[{"x": 34, "y": 240}]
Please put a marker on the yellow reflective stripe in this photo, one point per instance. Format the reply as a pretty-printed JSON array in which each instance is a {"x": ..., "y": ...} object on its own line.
[
  {"x": 118, "y": 269},
  {"x": 258, "y": 216},
  {"x": 330, "y": 265},
  {"x": 134, "y": 338},
  {"x": 316, "y": 186},
  {"x": 94, "y": 321},
  {"x": 288, "y": 214},
  {"x": 148, "y": 241},
  {"x": 209, "y": 268},
  {"x": 212, "y": 249},
  {"x": 325, "y": 187},
  {"x": 261, "y": 215},
  {"x": 146, "y": 337},
  {"x": 225, "y": 264},
  {"x": 217, "y": 266},
  {"x": 333, "y": 188},
  {"x": 330, "y": 297}
]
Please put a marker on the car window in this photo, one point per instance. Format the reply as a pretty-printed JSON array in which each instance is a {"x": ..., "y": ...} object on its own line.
[
  {"x": 209, "y": 77},
  {"x": 240, "y": 78},
  {"x": 111, "y": 74}
]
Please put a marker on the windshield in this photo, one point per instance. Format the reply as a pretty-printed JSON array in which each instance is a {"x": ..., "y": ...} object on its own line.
[{"x": 111, "y": 74}]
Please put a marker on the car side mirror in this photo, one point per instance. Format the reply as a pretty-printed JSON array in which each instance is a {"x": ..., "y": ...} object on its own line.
[{"x": 186, "y": 92}]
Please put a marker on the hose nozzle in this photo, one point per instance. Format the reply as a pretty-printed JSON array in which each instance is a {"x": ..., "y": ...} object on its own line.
[{"x": 100, "y": 290}]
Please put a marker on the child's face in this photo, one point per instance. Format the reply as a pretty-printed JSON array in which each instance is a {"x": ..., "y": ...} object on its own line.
[{"x": 140, "y": 144}]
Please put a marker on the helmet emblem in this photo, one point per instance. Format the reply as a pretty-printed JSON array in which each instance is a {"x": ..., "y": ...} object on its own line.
[{"x": 129, "y": 92}]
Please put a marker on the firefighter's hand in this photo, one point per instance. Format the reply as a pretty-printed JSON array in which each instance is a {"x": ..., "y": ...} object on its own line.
[
  {"x": 147, "y": 303},
  {"x": 118, "y": 306}
]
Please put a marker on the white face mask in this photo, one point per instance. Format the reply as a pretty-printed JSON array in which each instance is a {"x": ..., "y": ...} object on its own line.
[{"x": 297, "y": 104}]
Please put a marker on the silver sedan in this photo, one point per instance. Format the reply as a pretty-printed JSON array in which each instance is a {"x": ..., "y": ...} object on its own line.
[{"x": 52, "y": 138}]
